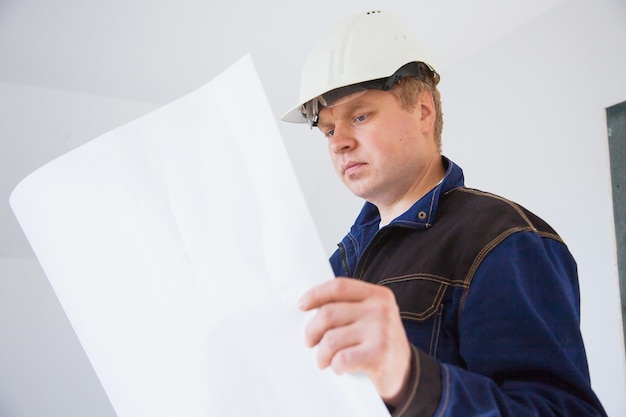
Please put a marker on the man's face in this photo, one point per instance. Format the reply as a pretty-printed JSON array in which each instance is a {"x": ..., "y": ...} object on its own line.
[{"x": 381, "y": 151}]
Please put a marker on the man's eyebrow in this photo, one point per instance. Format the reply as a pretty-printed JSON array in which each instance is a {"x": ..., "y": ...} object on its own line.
[{"x": 321, "y": 124}]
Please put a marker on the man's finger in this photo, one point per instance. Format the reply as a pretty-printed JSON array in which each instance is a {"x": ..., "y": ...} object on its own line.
[
  {"x": 329, "y": 317},
  {"x": 335, "y": 291},
  {"x": 334, "y": 342}
]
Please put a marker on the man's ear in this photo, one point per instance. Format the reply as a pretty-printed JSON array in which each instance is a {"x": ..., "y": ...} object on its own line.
[{"x": 426, "y": 105}]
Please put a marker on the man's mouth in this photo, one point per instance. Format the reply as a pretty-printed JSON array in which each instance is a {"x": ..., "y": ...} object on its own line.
[{"x": 351, "y": 166}]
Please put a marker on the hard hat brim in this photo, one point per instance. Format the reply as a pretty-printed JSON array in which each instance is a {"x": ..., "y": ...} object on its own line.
[{"x": 294, "y": 115}]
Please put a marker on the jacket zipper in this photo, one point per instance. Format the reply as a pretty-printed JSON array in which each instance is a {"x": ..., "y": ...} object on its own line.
[{"x": 344, "y": 258}]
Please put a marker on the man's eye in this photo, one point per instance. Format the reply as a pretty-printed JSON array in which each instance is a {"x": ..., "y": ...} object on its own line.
[
  {"x": 329, "y": 133},
  {"x": 360, "y": 118}
]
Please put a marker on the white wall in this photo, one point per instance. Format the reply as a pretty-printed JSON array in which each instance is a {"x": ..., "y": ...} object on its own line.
[{"x": 525, "y": 118}]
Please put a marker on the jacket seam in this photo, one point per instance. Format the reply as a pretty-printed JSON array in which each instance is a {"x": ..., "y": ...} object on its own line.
[
  {"x": 416, "y": 363},
  {"x": 478, "y": 260},
  {"x": 355, "y": 242},
  {"x": 434, "y": 337},
  {"x": 445, "y": 388},
  {"x": 434, "y": 307},
  {"x": 515, "y": 207},
  {"x": 425, "y": 277}
]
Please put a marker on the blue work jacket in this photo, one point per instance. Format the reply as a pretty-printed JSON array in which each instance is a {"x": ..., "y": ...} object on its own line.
[{"x": 488, "y": 294}]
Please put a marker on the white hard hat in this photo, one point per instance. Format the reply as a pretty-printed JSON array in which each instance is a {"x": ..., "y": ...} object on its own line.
[{"x": 370, "y": 50}]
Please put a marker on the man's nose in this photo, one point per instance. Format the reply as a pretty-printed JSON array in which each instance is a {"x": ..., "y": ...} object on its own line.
[{"x": 342, "y": 140}]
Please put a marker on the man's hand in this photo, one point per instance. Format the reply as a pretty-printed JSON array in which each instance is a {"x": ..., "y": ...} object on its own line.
[{"x": 358, "y": 328}]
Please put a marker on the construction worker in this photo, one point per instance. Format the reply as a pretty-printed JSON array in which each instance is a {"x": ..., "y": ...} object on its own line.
[{"x": 454, "y": 301}]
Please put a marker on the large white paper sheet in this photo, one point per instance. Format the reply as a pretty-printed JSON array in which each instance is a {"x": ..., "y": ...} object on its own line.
[{"x": 178, "y": 246}]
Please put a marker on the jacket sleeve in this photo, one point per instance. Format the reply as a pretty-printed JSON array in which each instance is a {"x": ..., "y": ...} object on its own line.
[{"x": 519, "y": 339}]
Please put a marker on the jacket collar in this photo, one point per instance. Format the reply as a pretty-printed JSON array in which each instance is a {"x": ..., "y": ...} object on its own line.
[{"x": 420, "y": 216}]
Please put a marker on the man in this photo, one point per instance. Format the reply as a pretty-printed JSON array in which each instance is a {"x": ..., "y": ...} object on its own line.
[{"x": 454, "y": 301}]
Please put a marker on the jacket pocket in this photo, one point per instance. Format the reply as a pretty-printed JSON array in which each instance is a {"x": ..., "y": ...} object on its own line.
[{"x": 419, "y": 297}]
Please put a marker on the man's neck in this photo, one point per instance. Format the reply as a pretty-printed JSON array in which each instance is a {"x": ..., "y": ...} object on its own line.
[{"x": 421, "y": 188}]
